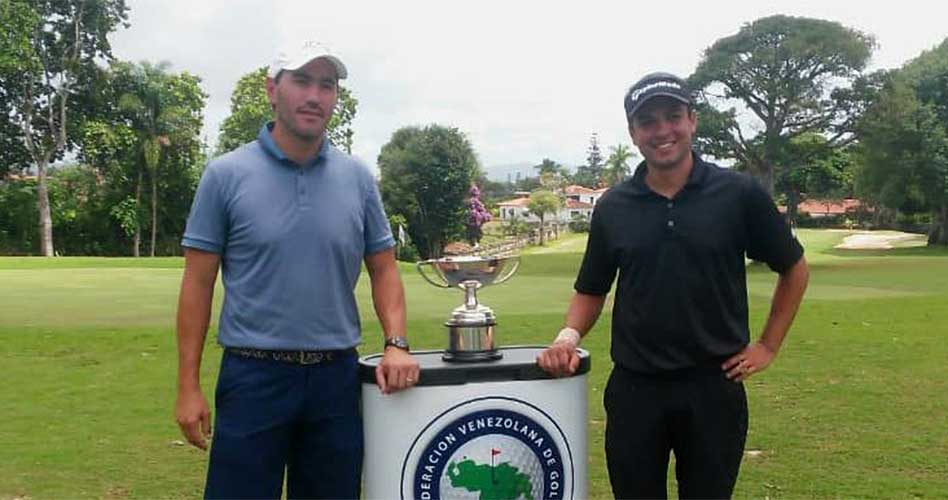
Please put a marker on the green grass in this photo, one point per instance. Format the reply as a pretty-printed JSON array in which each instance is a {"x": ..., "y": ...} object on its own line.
[{"x": 856, "y": 405}]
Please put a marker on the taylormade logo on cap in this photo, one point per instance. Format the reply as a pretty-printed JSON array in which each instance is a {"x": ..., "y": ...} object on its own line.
[
  {"x": 636, "y": 93},
  {"x": 653, "y": 85}
]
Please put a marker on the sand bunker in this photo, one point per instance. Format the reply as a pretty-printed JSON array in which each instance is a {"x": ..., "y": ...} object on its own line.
[{"x": 878, "y": 241}]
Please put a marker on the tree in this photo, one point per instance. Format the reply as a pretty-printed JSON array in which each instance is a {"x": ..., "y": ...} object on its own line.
[
  {"x": 617, "y": 165},
  {"x": 526, "y": 183},
  {"x": 79, "y": 210},
  {"x": 790, "y": 76},
  {"x": 548, "y": 166},
  {"x": 14, "y": 158},
  {"x": 145, "y": 101},
  {"x": 590, "y": 174},
  {"x": 162, "y": 109},
  {"x": 819, "y": 170},
  {"x": 109, "y": 146},
  {"x": 425, "y": 177},
  {"x": 492, "y": 191},
  {"x": 904, "y": 156},
  {"x": 17, "y": 21},
  {"x": 553, "y": 181},
  {"x": 18, "y": 233},
  {"x": 42, "y": 79},
  {"x": 544, "y": 202},
  {"x": 250, "y": 109},
  {"x": 929, "y": 76}
]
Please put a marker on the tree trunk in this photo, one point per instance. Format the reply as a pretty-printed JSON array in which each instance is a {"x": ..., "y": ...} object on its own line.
[
  {"x": 154, "y": 210},
  {"x": 542, "y": 231},
  {"x": 435, "y": 247},
  {"x": 42, "y": 203},
  {"x": 793, "y": 200},
  {"x": 938, "y": 235},
  {"x": 766, "y": 176},
  {"x": 137, "y": 239},
  {"x": 879, "y": 216}
]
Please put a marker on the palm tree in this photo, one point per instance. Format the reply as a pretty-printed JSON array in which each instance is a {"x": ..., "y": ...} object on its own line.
[
  {"x": 154, "y": 116},
  {"x": 548, "y": 166},
  {"x": 617, "y": 166}
]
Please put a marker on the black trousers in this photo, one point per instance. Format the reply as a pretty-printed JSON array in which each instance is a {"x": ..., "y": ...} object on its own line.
[{"x": 698, "y": 414}]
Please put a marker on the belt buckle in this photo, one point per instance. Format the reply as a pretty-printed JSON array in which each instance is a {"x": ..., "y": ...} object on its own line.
[{"x": 311, "y": 358}]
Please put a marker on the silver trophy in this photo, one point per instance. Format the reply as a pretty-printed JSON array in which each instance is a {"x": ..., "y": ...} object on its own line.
[{"x": 471, "y": 326}]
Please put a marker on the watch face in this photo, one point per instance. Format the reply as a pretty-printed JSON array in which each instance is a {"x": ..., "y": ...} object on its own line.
[{"x": 399, "y": 342}]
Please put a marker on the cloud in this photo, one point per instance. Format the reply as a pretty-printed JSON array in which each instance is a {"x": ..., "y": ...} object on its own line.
[{"x": 523, "y": 79}]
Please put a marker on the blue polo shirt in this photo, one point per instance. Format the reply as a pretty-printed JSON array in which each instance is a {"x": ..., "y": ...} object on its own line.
[{"x": 291, "y": 239}]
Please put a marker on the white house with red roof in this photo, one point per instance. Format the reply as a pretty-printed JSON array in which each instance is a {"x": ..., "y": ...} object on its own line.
[
  {"x": 583, "y": 194},
  {"x": 579, "y": 201},
  {"x": 516, "y": 209}
]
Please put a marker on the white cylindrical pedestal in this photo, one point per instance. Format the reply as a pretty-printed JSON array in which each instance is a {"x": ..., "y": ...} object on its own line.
[{"x": 502, "y": 428}]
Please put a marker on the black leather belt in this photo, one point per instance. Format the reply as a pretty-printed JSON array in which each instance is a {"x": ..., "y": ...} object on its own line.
[{"x": 293, "y": 357}]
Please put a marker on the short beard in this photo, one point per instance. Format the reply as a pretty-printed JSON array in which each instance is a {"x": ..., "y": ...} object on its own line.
[{"x": 288, "y": 124}]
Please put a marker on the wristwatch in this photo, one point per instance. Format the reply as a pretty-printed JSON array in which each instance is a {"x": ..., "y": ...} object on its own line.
[{"x": 398, "y": 341}]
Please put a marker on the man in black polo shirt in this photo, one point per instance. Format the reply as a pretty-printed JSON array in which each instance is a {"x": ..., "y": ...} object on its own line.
[{"x": 677, "y": 232}]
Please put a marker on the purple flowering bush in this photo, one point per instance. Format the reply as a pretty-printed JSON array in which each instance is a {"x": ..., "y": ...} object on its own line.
[{"x": 477, "y": 215}]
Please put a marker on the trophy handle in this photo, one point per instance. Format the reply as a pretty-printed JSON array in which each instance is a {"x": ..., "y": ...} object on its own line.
[
  {"x": 506, "y": 276},
  {"x": 421, "y": 270}
]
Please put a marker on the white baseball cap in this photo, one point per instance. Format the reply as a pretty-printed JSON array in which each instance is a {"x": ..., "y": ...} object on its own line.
[{"x": 295, "y": 57}]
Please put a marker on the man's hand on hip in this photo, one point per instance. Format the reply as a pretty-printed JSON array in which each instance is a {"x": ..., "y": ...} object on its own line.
[
  {"x": 398, "y": 370},
  {"x": 194, "y": 417},
  {"x": 754, "y": 358}
]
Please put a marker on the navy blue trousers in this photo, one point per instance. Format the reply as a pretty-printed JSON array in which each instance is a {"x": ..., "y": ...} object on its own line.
[
  {"x": 698, "y": 414},
  {"x": 275, "y": 420}
]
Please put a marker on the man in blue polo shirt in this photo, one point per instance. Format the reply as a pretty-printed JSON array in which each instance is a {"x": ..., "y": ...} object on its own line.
[
  {"x": 678, "y": 232},
  {"x": 288, "y": 219}
]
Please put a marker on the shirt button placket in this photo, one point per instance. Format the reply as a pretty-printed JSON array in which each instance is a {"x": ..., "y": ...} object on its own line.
[
  {"x": 300, "y": 188},
  {"x": 671, "y": 222}
]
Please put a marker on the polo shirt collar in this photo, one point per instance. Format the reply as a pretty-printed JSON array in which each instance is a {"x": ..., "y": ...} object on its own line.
[
  {"x": 696, "y": 179},
  {"x": 265, "y": 137}
]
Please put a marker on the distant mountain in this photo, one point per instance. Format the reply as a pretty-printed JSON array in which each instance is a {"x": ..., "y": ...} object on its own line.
[{"x": 498, "y": 173}]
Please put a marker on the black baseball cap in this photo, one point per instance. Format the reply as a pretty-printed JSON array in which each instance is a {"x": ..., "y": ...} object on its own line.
[{"x": 655, "y": 85}]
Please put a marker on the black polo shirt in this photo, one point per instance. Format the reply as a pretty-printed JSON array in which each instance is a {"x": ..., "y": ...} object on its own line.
[{"x": 681, "y": 299}]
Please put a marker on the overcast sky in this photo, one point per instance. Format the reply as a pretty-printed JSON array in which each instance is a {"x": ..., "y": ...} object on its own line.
[{"x": 523, "y": 80}]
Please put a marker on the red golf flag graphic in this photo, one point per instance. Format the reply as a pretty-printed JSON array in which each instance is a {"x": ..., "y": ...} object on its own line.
[{"x": 494, "y": 451}]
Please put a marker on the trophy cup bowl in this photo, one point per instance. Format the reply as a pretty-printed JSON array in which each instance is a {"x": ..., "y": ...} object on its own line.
[{"x": 471, "y": 325}]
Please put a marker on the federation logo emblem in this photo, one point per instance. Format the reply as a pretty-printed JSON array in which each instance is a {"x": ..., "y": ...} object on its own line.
[{"x": 494, "y": 447}]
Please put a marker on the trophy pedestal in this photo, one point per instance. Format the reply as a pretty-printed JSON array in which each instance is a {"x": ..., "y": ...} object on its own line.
[
  {"x": 471, "y": 344},
  {"x": 471, "y": 334},
  {"x": 462, "y": 419}
]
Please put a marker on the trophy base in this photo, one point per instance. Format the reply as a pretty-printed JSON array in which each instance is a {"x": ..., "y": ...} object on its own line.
[
  {"x": 471, "y": 357},
  {"x": 471, "y": 343}
]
